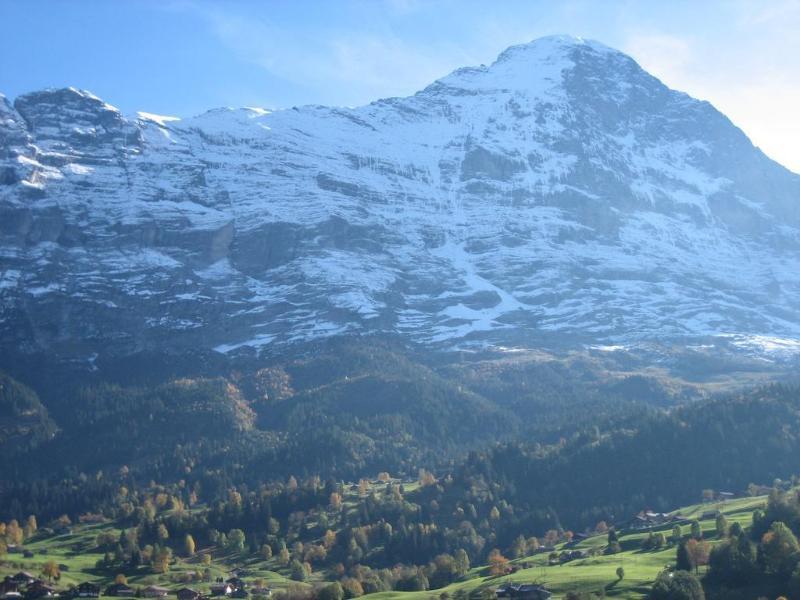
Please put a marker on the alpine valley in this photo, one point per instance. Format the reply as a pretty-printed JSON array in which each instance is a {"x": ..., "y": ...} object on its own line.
[{"x": 357, "y": 350}]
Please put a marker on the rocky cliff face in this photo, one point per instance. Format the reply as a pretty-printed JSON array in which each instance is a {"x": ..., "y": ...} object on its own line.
[{"x": 561, "y": 193}]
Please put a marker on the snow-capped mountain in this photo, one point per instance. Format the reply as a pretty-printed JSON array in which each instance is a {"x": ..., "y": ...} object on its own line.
[{"x": 561, "y": 193}]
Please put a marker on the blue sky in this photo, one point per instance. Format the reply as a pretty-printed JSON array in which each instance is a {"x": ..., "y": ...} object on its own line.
[{"x": 181, "y": 57}]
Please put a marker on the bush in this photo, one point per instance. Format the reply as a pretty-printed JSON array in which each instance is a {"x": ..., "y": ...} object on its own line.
[{"x": 677, "y": 585}]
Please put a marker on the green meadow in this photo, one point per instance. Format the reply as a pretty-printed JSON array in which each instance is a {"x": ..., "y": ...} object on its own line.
[{"x": 76, "y": 552}]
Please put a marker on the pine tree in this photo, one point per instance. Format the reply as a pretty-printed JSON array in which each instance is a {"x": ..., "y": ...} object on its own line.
[
  {"x": 697, "y": 532},
  {"x": 683, "y": 561},
  {"x": 462, "y": 562},
  {"x": 722, "y": 526},
  {"x": 677, "y": 534}
]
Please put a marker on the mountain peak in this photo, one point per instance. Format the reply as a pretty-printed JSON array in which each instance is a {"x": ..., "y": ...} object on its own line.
[
  {"x": 65, "y": 114},
  {"x": 552, "y": 45},
  {"x": 66, "y": 96},
  {"x": 536, "y": 66}
]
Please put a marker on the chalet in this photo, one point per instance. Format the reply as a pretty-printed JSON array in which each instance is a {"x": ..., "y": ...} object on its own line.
[
  {"x": 677, "y": 517},
  {"x": 154, "y": 591},
  {"x": 523, "y": 591},
  {"x": 120, "y": 590},
  {"x": 39, "y": 589},
  {"x": 8, "y": 585},
  {"x": 240, "y": 593},
  {"x": 237, "y": 583},
  {"x": 23, "y": 578},
  {"x": 10, "y": 596},
  {"x": 264, "y": 592},
  {"x": 656, "y": 517},
  {"x": 187, "y": 594},
  {"x": 87, "y": 589},
  {"x": 709, "y": 514},
  {"x": 221, "y": 589},
  {"x": 569, "y": 555},
  {"x": 503, "y": 591},
  {"x": 648, "y": 518}
]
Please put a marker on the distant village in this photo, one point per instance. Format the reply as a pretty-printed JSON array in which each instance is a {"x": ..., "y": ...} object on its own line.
[{"x": 25, "y": 586}]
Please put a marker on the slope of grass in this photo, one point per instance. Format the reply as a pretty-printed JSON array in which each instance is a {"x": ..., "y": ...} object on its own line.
[
  {"x": 599, "y": 572},
  {"x": 77, "y": 551}
]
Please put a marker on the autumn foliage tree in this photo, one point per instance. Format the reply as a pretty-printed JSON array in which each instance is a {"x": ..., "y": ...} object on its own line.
[
  {"x": 426, "y": 478},
  {"x": 698, "y": 552},
  {"x": 50, "y": 570},
  {"x": 497, "y": 563},
  {"x": 779, "y": 550}
]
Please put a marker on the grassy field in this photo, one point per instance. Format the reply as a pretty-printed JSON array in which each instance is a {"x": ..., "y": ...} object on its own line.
[
  {"x": 599, "y": 573},
  {"x": 76, "y": 552}
]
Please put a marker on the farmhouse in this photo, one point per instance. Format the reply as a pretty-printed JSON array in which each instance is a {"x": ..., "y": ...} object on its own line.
[
  {"x": 39, "y": 589},
  {"x": 648, "y": 518},
  {"x": 523, "y": 591},
  {"x": 8, "y": 585},
  {"x": 23, "y": 578},
  {"x": 187, "y": 594},
  {"x": 569, "y": 555},
  {"x": 221, "y": 589},
  {"x": 87, "y": 590},
  {"x": 154, "y": 591},
  {"x": 237, "y": 583},
  {"x": 120, "y": 590}
]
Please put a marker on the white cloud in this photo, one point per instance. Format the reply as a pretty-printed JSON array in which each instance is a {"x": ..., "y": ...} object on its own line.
[
  {"x": 354, "y": 68},
  {"x": 764, "y": 13}
]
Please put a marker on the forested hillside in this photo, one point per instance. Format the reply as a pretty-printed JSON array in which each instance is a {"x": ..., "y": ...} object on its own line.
[
  {"x": 253, "y": 461},
  {"x": 724, "y": 443},
  {"x": 24, "y": 421},
  {"x": 204, "y": 435},
  {"x": 341, "y": 409}
]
